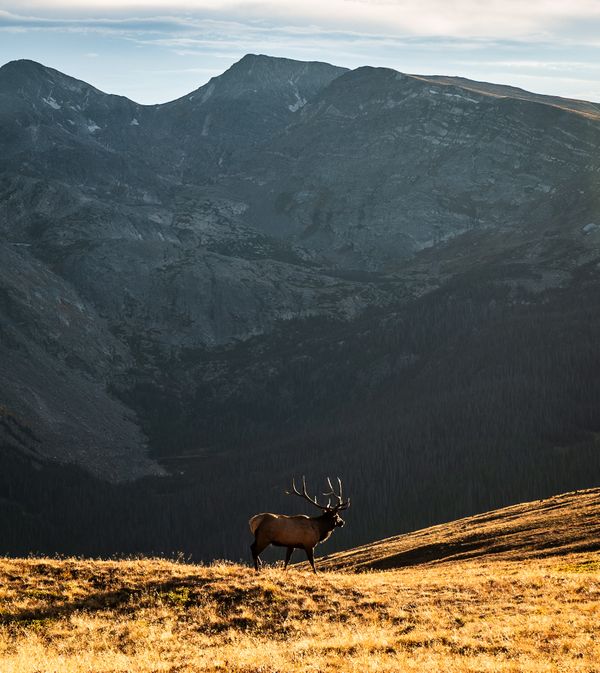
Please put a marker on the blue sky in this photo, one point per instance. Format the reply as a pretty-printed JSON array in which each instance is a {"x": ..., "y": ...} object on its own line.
[{"x": 157, "y": 50}]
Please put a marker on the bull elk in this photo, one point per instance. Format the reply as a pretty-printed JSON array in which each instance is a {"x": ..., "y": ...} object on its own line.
[{"x": 299, "y": 531}]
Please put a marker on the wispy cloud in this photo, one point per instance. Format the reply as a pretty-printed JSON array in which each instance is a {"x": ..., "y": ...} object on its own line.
[
  {"x": 459, "y": 18},
  {"x": 462, "y": 23},
  {"x": 551, "y": 66},
  {"x": 188, "y": 32}
]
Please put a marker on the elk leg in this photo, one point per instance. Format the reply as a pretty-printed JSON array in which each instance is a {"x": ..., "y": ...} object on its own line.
[
  {"x": 288, "y": 556},
  {"x": 310, "y": 552},
  {"x": 256, "y": 550}
]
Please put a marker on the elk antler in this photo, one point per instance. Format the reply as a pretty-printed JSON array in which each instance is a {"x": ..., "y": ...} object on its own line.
[
  {"x": 341, "y": 504},
  {"x": 304, "y": 494}
]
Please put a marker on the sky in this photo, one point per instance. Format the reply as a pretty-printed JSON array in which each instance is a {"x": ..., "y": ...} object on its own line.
[{"x": 153, "y": 51}]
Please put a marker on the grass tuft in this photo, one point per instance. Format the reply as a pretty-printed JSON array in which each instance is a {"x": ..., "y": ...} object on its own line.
[{"x": 592, "y": 566}]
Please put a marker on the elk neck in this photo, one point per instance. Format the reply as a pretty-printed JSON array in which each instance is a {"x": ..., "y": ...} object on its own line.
[{"x": 326, "y": 525}]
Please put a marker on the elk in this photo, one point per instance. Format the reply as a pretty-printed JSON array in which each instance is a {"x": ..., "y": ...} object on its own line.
[{"x": 299, "y": 531}]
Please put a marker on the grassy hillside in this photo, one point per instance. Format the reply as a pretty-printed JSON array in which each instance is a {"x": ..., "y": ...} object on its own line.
[
  {"x": 151, "y": 615},
  {"x": 566, "y": 523}
]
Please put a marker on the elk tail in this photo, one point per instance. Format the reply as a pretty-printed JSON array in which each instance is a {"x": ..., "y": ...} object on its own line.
[{"x": 254, "y": 522}]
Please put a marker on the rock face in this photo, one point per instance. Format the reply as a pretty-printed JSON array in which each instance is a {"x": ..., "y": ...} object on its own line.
[
  {"x": 284, "y": 251},
  {"x": 406, "y": 162}
]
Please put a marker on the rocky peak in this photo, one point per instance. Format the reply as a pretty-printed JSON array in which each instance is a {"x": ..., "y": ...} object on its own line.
[
  {"x": 367, "y": 90},
  {"x": 269, "y": 70},
  {"x": 44, "y": 110},
  {"x": 240, "y": 109},
  {"x": 22, "y": 71},
  {"x": 33, "y": 81},
  {"x": 269, "y": 79}
]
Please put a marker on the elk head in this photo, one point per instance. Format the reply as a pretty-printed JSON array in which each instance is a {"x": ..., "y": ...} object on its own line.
[{"x": 330, "y": 511}]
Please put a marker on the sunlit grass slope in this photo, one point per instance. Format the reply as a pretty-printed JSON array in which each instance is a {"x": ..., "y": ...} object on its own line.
[
  {"x": 150, "y": 615},
  {"x": 562, "y": 524}
]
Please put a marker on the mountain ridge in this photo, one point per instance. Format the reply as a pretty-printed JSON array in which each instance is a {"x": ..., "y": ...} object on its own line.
[{"x": 484, "y": 87}]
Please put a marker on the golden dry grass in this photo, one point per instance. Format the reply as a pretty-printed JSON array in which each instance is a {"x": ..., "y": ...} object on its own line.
[
  {"x": 508, "y": 591},
  {"x": 562, "y": 524},
  {"x": 142, "y": 616}
]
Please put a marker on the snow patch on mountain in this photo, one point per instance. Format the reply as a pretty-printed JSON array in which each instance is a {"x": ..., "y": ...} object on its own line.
[
  {"x": 208, "y": 93},
  {"x": 52, "y": 103},
  {"x": 300, "y": 100},
  {"x": 206, "y": 125}
]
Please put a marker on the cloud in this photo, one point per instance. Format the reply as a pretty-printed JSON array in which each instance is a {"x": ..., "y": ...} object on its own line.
[
  {"x": 133, "y": 23},
  {"x": 193, "y": 35},
  {"x": 500, "y": 19},
  {"x": 552, "y": 66}
]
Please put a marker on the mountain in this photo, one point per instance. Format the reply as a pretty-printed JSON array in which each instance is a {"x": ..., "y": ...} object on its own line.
[
  {"x": 82, "y": 203},
  {"x": 383, "y": 165},
  {"x": 294, "y": 269},
  {"x": 221, "y": 122}
]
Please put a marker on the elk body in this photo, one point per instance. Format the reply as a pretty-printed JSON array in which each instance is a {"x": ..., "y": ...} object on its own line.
[{"x": 300, "y": 531}]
